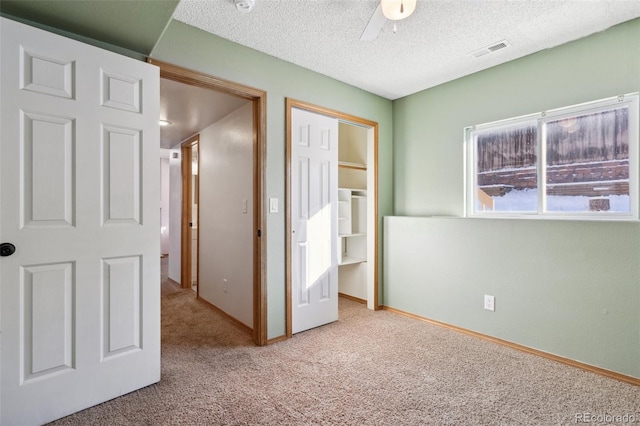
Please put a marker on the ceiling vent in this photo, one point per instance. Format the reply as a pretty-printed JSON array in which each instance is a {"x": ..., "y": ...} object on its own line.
[{"x": 490, "y": 49}]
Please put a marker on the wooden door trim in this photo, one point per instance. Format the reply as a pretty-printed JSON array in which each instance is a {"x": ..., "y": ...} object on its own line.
[
  {"x": 186, "y": 152},
  {"x": 259, "y": 99},
  {"x": 289, "y": 105}
]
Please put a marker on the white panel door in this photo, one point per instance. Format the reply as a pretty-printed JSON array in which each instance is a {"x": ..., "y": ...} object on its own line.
[
  {"x": 314, "y": 219},
  {"x": 79, "y": 197}
]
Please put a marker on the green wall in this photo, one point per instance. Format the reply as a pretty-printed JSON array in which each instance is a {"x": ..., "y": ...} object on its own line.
[
  {"x": 428, "y": 126},
  {"x": 195, "y": 49},
  {"x": 567, "y": 287}
]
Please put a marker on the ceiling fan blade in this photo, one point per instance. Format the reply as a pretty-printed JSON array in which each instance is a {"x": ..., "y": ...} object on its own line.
[{"x": 374, "y": 26}]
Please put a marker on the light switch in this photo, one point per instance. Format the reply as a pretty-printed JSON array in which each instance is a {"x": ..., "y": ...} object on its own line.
[
  {"x": 273, "y": 205},
  {"x": 244, "y": 206}
]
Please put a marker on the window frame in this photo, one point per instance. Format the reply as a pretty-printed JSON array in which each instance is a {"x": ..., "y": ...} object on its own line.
[{"x": 540, "y": 120}]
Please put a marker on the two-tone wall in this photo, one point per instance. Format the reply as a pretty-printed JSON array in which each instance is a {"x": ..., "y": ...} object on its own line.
[
  {"x": 571, "y": 288},
  {"x": 552, "y": 292},
  {"x": 564, "y": 287},
  {"x": 195, "y": 49}
]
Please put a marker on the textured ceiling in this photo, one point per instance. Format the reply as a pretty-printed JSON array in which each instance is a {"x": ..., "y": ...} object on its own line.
[{"x": 430, "y": 47}]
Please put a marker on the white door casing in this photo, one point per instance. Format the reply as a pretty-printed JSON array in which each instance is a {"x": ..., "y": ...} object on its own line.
[
  {"x": 314, "y": 219},
  {"x": 79, "y": 197}
]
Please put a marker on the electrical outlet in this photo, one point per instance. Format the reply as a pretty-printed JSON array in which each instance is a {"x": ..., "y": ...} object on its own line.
[
  {"x": 489, "y": 303},
  {"x": 225, "y": 285}
]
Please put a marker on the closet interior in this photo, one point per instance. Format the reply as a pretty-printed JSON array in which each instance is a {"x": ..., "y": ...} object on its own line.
[{"x": 354, "y": 212}]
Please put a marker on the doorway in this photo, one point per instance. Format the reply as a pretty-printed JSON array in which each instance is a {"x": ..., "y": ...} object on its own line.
[
  {"x": 257, "y": 99},
  {"x": 357, "y": 204},
  {"x": 190, "y": 214}
]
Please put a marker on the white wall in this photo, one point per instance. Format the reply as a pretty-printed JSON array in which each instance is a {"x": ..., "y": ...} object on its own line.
[
  {"x": 164, "y": 204},
  {"x": 226, "y": 231},
  {"x": 352, "y": 280},
  {"x": 175, "y": 213}
]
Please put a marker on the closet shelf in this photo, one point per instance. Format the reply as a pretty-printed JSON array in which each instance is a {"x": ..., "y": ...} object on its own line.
[
  {"x": 359, "y": 190},
  {"x": 349, "y": 165},
  {"x": 346, "y": 260}
]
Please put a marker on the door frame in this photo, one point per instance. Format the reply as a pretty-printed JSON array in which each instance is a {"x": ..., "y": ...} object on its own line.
[
  {"x": 259, "y": 100},
  {"x": 348, "y": 118},
  {"x": 186, "y": 256}
]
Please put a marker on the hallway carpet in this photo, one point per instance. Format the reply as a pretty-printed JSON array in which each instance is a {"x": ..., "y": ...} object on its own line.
[{"x": 368, "y": 368}]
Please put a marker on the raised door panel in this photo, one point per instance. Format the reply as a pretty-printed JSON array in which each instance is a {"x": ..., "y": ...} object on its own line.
[
  {"x": 44, "y": 74},
  {"x": 122, "y": 309},
  {"x": 47, "y": 184},
  {"x": 302, "y": 295},
  {"x": 47, "y": 311},
  {"x": 121, "y": 92},
  {"x": 122, "y": 169}
]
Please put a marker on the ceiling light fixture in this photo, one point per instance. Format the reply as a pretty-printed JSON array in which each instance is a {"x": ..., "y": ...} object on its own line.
[
  {"x": 393, "y": 10},
  {"x": 244, "y": 6},
  {"x": 397, "y": 9},
  {"x": 164, "y": 123}
]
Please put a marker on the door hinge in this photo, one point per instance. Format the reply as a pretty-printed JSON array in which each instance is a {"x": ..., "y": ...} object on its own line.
[{"x": 259, "y": 233}]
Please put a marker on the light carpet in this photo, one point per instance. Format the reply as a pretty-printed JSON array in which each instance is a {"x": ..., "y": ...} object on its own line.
[{"x": 368, "y": 368}]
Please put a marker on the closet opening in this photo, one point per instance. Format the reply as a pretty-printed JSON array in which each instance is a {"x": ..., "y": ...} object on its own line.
[{"x": 332, "y": 203}]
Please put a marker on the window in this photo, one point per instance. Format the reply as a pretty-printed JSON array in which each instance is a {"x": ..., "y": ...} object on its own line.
[{"x": 580, "y": 161}]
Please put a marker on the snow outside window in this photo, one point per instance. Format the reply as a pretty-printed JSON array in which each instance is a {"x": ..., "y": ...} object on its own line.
[{"x": 579, "y": 161}]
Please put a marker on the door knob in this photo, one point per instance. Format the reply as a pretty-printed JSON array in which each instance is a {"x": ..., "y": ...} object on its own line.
[{"x": 7, "y": 249}]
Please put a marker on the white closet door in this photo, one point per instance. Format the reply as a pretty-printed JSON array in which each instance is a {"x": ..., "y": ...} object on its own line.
[
  {"x": 79, "y": 198},
  {"x": 314, "y": 219}
]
